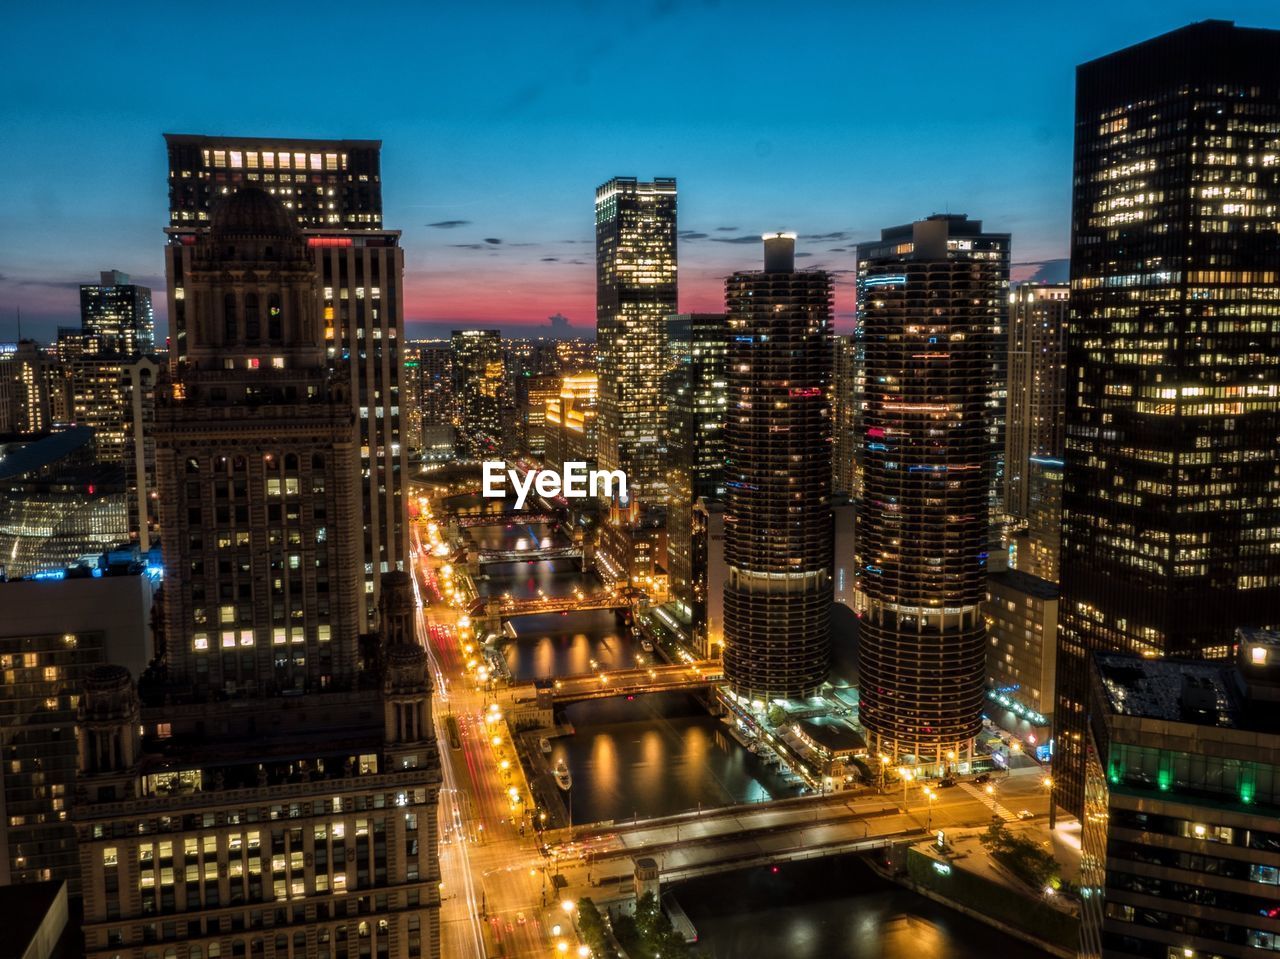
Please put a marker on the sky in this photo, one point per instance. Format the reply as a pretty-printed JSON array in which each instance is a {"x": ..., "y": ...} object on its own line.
[{"x": 832, "y": 118}]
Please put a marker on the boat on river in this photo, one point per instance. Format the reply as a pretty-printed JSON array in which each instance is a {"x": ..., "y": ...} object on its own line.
[{"x": 563, "y": 779}]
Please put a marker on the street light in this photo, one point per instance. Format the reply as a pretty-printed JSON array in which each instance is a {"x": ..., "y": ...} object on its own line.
[{"x": 1047, "y": 783}]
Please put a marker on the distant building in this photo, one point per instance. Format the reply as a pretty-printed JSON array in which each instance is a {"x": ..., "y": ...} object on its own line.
[
  {"x": 1170, "y": 504},
  {"x": 52, "y": 634},
  {"x": 534, "y": 391},
  {"x": 478, "y": 378},
  {"x": 710, "y": 574},
  {"x": 778, "y": 537},
  {"x": 27, "y": 378},
  {"x": 570, "y": 419},
  {"x": 696, "y": 398},
  {"x": 1181, "y": 853},
  {"x": 1044, "y": 518},
  {"x": 844, "y": 418},
  {"x": 635, "y": 293},
  {"x": 1037, "y": 385},
  {"x": 58, "y": 503},
  {"x": 118, "y": 315},
  {"x": 1022, "y": 622}
]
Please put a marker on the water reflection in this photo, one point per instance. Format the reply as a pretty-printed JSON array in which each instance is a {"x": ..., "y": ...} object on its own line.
[
  {"x": 828, "y": 908},
  {"x": 657, "y": 755}
]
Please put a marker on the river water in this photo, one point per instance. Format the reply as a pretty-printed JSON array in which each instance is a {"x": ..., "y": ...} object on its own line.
[
  {"x": 831, "y": 909},
  {"x": 660, "y": 754}
]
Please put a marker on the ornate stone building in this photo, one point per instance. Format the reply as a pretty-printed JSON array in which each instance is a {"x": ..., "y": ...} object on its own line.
[{"x": 269, "y": 788}]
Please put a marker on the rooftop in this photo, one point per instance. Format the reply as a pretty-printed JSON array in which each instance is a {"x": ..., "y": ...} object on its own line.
[{"x": 1024, "y": 582}]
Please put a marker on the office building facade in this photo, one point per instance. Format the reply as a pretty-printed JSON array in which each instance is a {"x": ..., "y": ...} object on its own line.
[
  {"x": 929, "y": 294},
  {"x": 478, "y": 384},
  {"x": 777, "y": 441},
  {"x": 1037, "y": 385},
  {"x": 118, "y": 315},
  {"x": 1170, "y": 502},
  {"x": 696, "y": 403}
]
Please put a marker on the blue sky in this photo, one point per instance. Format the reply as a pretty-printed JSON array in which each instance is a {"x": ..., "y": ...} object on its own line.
[{"x": 831, "y": 119}]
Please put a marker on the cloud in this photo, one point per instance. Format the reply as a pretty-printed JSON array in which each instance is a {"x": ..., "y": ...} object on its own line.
[
  {"x": 726, "y": 229},
  {"x": 467, "y": 246},
  {"x": 576, "y": 262},
  {"x": 551, "y": 259},
  {"x": 449, "y": 224},
  {"x": 838, "y": 249},
  {"x": 836, "y": 235},
  {"x": 736, "y": 239},
  {"x": 798, "y": 255},
  {"x": 1052, "y": 271},
  {"x": 492, "y": 241},
  {"x": 692, "y": 235}
]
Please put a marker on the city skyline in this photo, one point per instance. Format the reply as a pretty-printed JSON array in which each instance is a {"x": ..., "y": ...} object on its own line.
[{"x": 480, "y": 256}]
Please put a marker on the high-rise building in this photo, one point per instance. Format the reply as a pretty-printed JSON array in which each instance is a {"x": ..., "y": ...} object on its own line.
[
  {"x": 778, "y": 533},
  {"x": 570, "y": 420},
  {"x": 844, "y": 429},
  {"x": 929, "y": 295},
  {"x": 635, "y": 293},
  {"x": 533, "y": 391},
  {"x": 1022, "y": 621},
  {"x": 27, "y": 377},
  {"x": 118, "y": 315},
  {"x": 1037, "y": 385},
  {"x": 275, "y": 778},
  {"x": 478, "y": 375},
  {"x": 331, "y": 190},
  {"x": 1039, "y": 554},
  {"x": 696, "y": 402},
  {"x": 1171, "y": 504},
  {"x": 256, "y": 449},
  {"x": 52, "y": 634},
  {"x": 1179, "y": 842}
]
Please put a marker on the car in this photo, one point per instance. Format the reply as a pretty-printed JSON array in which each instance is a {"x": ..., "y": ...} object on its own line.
[
  {"x": 984, "y": 778},
  {"x": 946, "y": 782},
  {"x": 520, "y": 920},
  {"x": 1026, "y": 814}
]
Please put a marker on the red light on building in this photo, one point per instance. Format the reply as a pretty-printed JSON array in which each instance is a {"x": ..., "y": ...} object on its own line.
[{"x": 326, "y": 241}]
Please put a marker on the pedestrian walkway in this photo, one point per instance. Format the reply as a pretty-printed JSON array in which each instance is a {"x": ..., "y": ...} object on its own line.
[{"x": 989, "y": 800}]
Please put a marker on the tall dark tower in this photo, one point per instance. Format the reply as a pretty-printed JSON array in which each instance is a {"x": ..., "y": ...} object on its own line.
[
  {"x": 927, "y": 295},
  {"x": 1171, "y": 509},
  {"x": 778, "y": 533}
]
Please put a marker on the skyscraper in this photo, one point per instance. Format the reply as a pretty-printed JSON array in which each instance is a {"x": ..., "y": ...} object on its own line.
[
  {"x": 118, "y": 314},
  {"x": 274, "y": 776},
  {"x": 635, "y": 293},
  {"x": 844, "y": 399},
  {"x": 1171, "y": 505},
  {"x": 1037, "y": 385},
  {"x": 256, "y": 450},
  {"x": 331, "y": 190},
  {"x": 778, "y": 532},
  {"x": 696, "y": 402},
  {"x": 928, "y": 295},
  {"x": 478, "y": 374}
]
